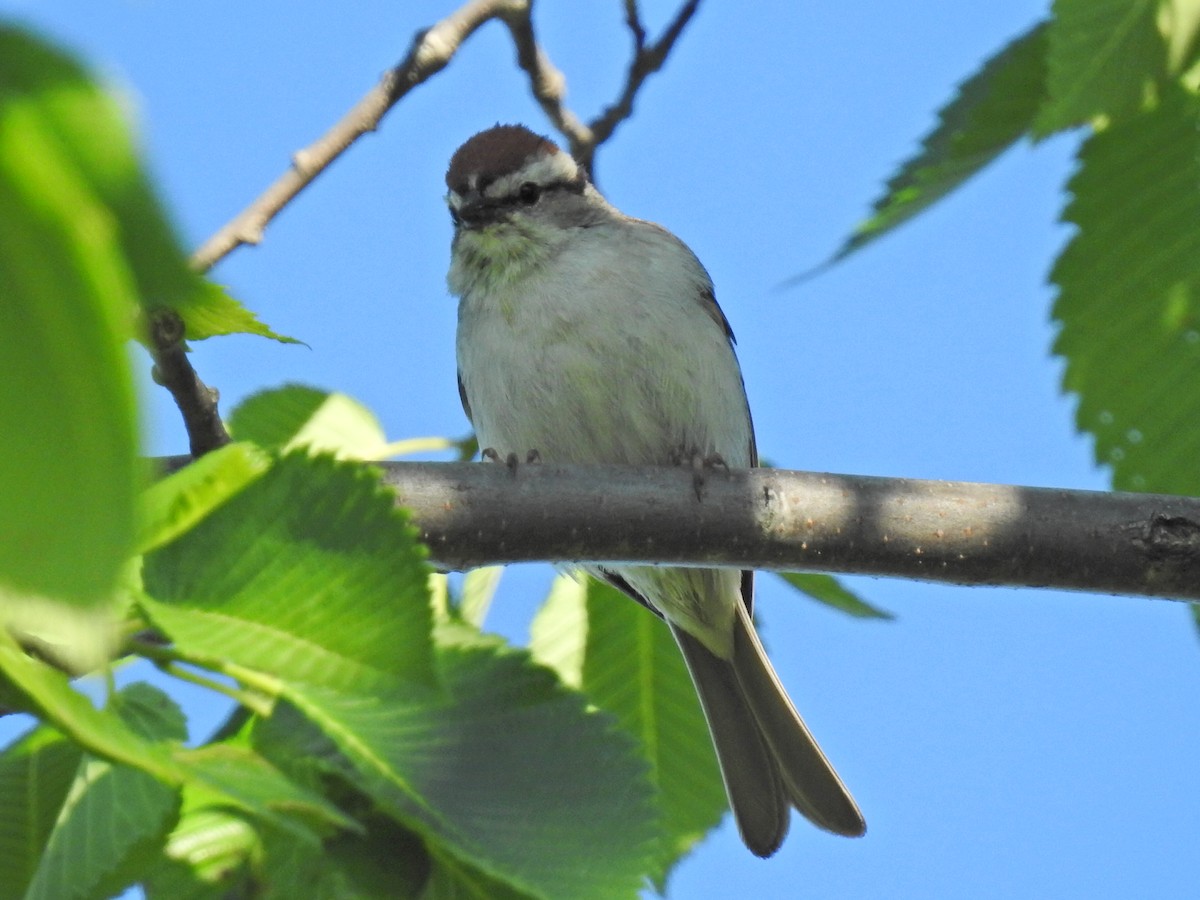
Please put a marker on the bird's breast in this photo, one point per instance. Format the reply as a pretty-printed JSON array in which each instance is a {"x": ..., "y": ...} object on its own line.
[{"x": 600, "y": 360}]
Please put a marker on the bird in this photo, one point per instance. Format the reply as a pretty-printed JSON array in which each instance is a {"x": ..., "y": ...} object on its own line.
[{"x": 587, "y": 336}]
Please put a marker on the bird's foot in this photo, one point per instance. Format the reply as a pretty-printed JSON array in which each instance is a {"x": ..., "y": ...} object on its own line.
[
  {"x": 493, "y": 455},
  {"x": 700, "y": 464}
]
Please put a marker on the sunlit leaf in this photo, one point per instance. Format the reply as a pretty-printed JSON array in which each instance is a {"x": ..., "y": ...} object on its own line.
[
  {"x": 90, "y": 135},
  {"x": 828, "y": 590},
  {"x": 36, "y": 772},
  {"x": 626, "y": 662},
  {"x": 1103, "y": 58},
  {"x": 67, "y": 473},
  {"x": 243, "y": 779},
  {"x": 114, "y": 819},
  {"x": 172, "y": 505},
  {"x": 1129, "y": 297},
  {"x": 321, "y": 421},
  {"x": 506, "y": 771},
  {"x": 992, "y": 110},
  {"x": 310, "y": 573},
  {"x": 206, "y": 856}
]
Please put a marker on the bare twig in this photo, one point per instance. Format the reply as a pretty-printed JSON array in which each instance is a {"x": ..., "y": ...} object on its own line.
[
  {"x": 172, "y": 369},
  {"x": 646, "y": 61},
  {"x": 431, "y": 50},
  {"x": 633, "y": 21},
  {"x": 549, "y": 86}
]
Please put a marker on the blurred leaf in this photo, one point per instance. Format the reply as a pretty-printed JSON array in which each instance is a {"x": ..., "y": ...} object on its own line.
[
  {"x": 206, "y": 857},
  {"x": 1180, "y": 24},
  {"x": 114, "y": 815},
  {"x": 626, "y": 662},
  {"x": 150, "y": 712},
  {"x": 67, "y": 484},
  {"x": 558, "y": 635},
  {"x": 48, "y": 692},
  {"x": 295, "y": 416},
  {"x": 478, "y": 589},
  {"x": 114, "y": 820},
  {"x": 411, "y": 446},
  {"x": 87, "y": 133},
  {"x": 506, "y": 772},
  {"x": 36, "y": 772},
  {"x": 1103, "y": 58},
  {"x": 450, "y": 879},
  {"x": 828, "y": 590},
  {"x": 1129, "y": 297},
  {"x": 468, "y": 447},
  {"x": 310, "y": 573},
  {"x": 172, "y": 505},
  {"x": 253, "y": 784},
  {"x": 385, "y": 863},
  {"x": 993, "y": 108},
  {"x": 243, "y": 780}
]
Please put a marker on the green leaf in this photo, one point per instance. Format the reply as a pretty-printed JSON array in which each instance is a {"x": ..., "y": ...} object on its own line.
[
  {"x": 450, "y": 879},
  {"x": 626, "y": 662},
  {"x": 112, "y": 825},
  {"x": 47, "y": 692},
  {"x": 253, "y": 784},
  {"x": 478, "y": 588},
  {"x": 828, "y": 590},
  {"x": 242, "y": 779},
  {"x": 1103, "y": 58},
  {"x": 384, "y": 863},
  {"x": 149, "y": 712},
  {"x": 208, "y": 310},
  {"x": 67, "y": 485},
  {"x": 323, "y": 422},
  {"x": 506, "y": 772},
  {"x": 207, "y": 855},
  {"x": 174, "y": 504},
  {"x": 558, "y": 635},
  {"x": 36, "y": 772},
  {"x": 993, "y": 109},
  {"x": 1129, "y": 297},
  {"x": 87, "y": 133},
  {"x": 310, "y": 573},
  {"x": 114, "y": 820},
  {"x": 1180, "y": 24}
]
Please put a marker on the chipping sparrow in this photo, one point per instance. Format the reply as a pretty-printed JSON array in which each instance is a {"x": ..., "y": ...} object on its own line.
[{"x": 592, "y": 337}]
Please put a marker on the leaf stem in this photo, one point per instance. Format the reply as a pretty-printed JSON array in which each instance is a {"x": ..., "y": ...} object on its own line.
[{"x": 262, "y": 688}]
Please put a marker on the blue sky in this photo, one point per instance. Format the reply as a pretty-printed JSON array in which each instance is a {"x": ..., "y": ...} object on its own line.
[{"x": 1000, "y": 742}]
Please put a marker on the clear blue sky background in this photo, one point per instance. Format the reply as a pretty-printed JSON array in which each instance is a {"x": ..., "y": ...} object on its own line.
[{"x": 1002, "y": 743}]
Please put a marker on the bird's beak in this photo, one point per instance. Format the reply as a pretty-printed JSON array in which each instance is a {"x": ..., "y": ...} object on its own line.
[{"x": 474, "y": 211}]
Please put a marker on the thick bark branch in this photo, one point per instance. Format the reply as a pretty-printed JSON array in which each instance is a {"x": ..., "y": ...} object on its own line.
[
  {"x": 956, "y": 532},
  {"x": 197, "y": 402}
]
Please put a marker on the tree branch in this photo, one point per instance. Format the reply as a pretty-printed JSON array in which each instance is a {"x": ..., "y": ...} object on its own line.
[
  {"x": 197, "y": 402},
  {"x": 432, "y": 49},
  {"x": 548, "y": 84},
  {"x": 472, "y": 514}
]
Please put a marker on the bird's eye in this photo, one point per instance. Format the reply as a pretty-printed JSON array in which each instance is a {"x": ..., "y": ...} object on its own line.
[{"x": 529, "y": 193}]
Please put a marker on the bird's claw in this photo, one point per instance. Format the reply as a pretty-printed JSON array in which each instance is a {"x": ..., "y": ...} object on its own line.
[
  {"x": 491, "y": 454},
  {"x": 700, "y": 464}
]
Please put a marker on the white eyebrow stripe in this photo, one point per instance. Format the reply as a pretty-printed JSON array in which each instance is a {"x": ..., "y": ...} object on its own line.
[{"x": 549, "y": 168}]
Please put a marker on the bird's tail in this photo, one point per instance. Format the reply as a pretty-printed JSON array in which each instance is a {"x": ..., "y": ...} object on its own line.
[{"x": 769, "y": 759}]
